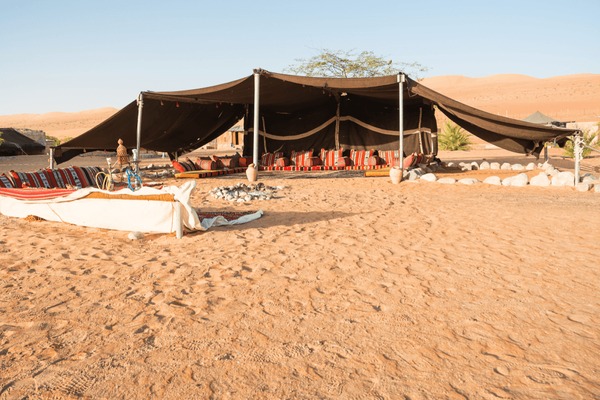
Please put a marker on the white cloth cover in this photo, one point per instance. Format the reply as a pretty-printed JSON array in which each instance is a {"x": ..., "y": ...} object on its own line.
[{"x": 119, "y": 214}]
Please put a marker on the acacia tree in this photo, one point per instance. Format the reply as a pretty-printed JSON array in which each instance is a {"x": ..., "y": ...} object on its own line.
[{"x": 348, "y": 64}]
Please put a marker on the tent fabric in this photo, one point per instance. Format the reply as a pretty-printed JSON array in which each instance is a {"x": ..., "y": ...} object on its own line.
[
  {"x": 507, "y": 133},
  {"x": 300, "y": 113},
  {"x": 15, "y": 143}
]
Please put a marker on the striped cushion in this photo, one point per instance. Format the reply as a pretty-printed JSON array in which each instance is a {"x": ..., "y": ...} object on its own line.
[
  {"x": 60, "y": 180},
  {"x": 282, "y": 162},
  {"x": 298, "y": 158},
  {"x": 206, "y": 164},
  {"x": 5, "y": 182},
  {"x": 390, "y": 157},
  {"x": 360, "y": 157},
  {"x": 41, "y": 180},
  {"x": 28, "y": 179},
  {"x": 73, "y": 174},
  {"x": 331, "y": 157},
  {"x": 66, "y": 178},
  {"x": 50, "y": 178},
  {"x": 90, "y": 174},
  {"x": 269, "y": 159}
]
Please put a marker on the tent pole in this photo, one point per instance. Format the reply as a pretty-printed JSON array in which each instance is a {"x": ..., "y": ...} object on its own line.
[
  {"x": 578, "y": 150},
  {"x": 256, "y": 116},
  {"x": 401, "y": 78},
  {"x": 140, "y": 103},
  {"x": 51, "y": 158}
]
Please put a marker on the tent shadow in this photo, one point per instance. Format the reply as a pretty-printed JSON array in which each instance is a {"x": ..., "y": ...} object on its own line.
[{"x": 272, "y": 219}]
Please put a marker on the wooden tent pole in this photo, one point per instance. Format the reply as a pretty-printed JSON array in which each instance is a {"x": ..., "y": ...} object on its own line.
[
  {"x": 256, "y": 116},
  {"x": 401, "y": 79}
]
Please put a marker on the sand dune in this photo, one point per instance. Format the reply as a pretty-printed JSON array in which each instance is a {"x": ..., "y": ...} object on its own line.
[
  {"x": 58, "y": 124},
  {"x": 566, "y": 98}
]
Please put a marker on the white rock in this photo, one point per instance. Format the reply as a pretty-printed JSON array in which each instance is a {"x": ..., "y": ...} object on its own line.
[
  {"x": 583, "y": 187},
  {"x": 565, "y": 178},
  {"x": 540, "y": 179},
  {"x": 429, "y": 177},
  {"x": 517, "y": 167},
  {"x": 520, "y": 180},
  {"x": 484, "y": 165},
  {"x": 507, "y": 181},
  {"x": 549, "y": 169},
  {"x": 493, "y": 180},
  {"x": 466, "y": 167},
  {"x": 505, "y": 166},
  {"x": 135, "y": 235},
  {"x": 447, "y": 180},
  {"x": 413, "y": 175},
  {"x": 450, "y": 165},
  {"x": 494, "y": 165},
  {"x": 545, "y": 165},
  {"x": 530, "y": 166},
  {"x": 467, "y": 181},
  {"x": 589, "y": 178},
  {"x": 474, "y": 166},
  {"x": 597, "y": 188}
]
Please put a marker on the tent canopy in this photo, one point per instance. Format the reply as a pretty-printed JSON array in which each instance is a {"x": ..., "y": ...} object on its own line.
[
  {"x": 299, "y": 113},
  {"x": 15, "y": 143}
]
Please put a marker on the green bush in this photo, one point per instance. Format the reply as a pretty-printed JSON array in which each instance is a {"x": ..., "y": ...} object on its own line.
[
  {"x": 588, "y": 138},
  {"x": 453, "y": 138}
]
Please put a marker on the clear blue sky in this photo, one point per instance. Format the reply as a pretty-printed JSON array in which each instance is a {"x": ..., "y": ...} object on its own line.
[{"x": 74, "y": 55}]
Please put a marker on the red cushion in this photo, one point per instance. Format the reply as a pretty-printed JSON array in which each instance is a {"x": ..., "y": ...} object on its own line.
[
  {"x": 282, "y": 162},
  {"x": 360, "y": 157},
  {"x": 330, "y": 157},
  {"x": 343, "y": 162},
  {"x": 51, "y": 179},
  {"x": 82, "y": 177},
  {"x": 17, "y": 178},
  {"x": 244, "y": 161},
  {"x": 177, "y": 165},
  {"x": 312, "y": 161},
  {"x": 206, "y": 164},
  {"x": 298, "y": 158}
]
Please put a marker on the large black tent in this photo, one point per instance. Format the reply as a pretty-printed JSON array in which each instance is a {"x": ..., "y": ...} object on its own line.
[
  {"x": 14, "y": 143},
  {"x": 298, "y": 113}
]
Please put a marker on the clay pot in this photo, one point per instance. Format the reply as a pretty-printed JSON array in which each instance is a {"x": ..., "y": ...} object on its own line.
[
  {"x": 395, "y": 175},
  {"x": 251, "y": 173}
]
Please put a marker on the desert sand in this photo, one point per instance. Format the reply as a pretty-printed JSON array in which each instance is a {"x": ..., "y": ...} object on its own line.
[{"x": 348, "y": 287}]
